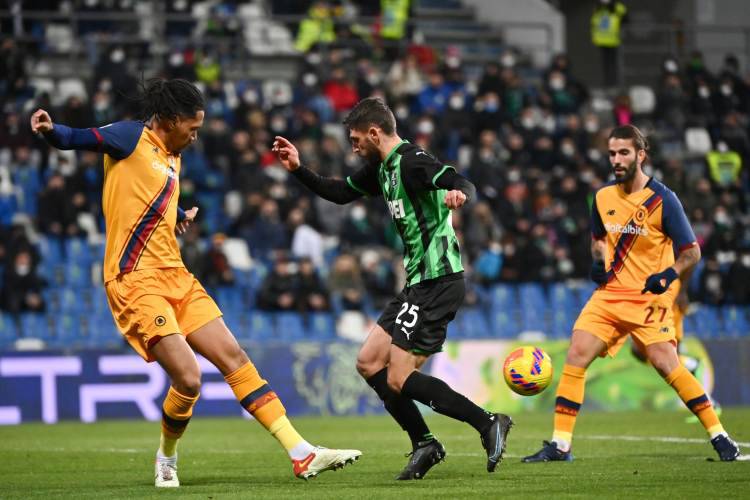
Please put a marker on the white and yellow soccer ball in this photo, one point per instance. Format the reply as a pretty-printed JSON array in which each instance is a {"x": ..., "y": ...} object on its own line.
[{"x": 528, "y": 370}]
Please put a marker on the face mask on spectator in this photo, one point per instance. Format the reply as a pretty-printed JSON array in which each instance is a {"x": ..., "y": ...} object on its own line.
[
  {"x": 456, "y": 102},
  {"x": 176, "y": 59},
  {"x": 745, "y": 260},
  {"x": 278, "y": 124},
  {"x": 557, "y": 83},
  {"x": 491, "y": 105},
  {"x": 425, "y": 127},
  {"x": 250, "y": 96},
  {"x": 568, "y": 149},
  {"x": 726, "y": 89},
  {"x": 313, "y": 58},
  {"x": 309, "y": 79},
  {"x": 508, "y": 60},
  {"x": 23, "y": 269},
  {"x": 117, "y": 56},
  {"x": 401, "y": 112},
  {"x": 358, "y": 213},
  {"x": 595, "y": 155},
  {"x": 105, "y": 85},
  {"x": 514, "y": 176},
  {"x": 670, "y": 66},
  {"x": 549, "y": 124},
  {"x": 527, "y": 122},
  {"x": 704, "y": 92},
  {"x": 721, "y": 218},
  {"x": 722, "y": 147}
]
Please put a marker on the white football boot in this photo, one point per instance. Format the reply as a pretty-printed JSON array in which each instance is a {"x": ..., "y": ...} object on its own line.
[
  {"x": 166, "y": 472},
  {"x": 323, "y": 459}
]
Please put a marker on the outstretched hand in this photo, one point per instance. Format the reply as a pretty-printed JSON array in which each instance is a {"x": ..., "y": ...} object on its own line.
[
  {"x": 182, "y": 227},
  {"x": 41, "y": 122},
  {"x": 286, "y": 152}
]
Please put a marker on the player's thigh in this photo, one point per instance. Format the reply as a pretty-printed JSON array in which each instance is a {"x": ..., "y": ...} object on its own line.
[
  {"x": 174, "y": 355},
  {"x": 595, "y": 333},
  {"x": 141, "y": 310},
  {"x": 216, "y": 343},
  {"x": 195, "y": 308},
  {"x": 663, "y": 357},
  {"x": 374, "y": 354}
]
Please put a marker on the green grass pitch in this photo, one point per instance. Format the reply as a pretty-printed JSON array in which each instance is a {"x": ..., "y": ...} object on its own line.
[{"x": 618, "y": 455}]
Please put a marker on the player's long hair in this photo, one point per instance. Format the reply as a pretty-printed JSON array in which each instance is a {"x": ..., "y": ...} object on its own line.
[{"x": 168, "y": 99}]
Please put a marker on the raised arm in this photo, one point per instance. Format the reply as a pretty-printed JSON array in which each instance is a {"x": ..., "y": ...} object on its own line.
[
  {"x": 336, "y": 190},
  {"x": 117, "y": 139}
]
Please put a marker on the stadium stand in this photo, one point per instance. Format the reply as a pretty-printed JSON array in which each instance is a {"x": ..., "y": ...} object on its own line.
[{"x": 530, "y": 138}]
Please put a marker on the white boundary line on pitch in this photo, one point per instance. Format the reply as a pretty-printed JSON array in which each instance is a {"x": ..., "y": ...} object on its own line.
[{"x": 659, "y": 439}]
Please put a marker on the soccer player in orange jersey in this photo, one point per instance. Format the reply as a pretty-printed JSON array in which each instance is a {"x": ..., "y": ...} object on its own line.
[
  {"x": 636, "y": 224},
  {"x": 159, "y": 307}
]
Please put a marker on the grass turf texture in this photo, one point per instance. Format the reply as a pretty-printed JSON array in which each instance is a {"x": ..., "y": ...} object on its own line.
[{"x": 234, "y": 458}]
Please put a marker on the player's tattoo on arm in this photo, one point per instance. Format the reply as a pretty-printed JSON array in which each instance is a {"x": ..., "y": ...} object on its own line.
[{"x": 686, "y": 261}]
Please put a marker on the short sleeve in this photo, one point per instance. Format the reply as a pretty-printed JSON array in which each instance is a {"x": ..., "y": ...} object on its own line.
[
  {"x": 365, "y": 181},
  {"x": 675, "y": 223},
  {"x": 597, "y": 226},
  {"x": 119, "y": 139},
  {"x": 422, "y": 170}
]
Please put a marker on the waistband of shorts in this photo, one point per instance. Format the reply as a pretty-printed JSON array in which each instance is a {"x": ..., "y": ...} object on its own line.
[{"x": 440, "y": 279}]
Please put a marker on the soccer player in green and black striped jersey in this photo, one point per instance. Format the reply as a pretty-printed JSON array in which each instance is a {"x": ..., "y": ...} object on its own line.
[{"x": 420, "y": 193}]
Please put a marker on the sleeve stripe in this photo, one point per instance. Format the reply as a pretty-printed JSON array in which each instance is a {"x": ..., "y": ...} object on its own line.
[
  {"x": 689, "y": 245},
  {"x": 99, "y": 137},
  {"x": 441, "y": 172},
  {"x": 354, "y": 186}
]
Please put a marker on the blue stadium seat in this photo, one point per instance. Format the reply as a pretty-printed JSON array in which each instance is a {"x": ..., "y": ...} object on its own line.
[
  {"x": 707, "y": 322},
  {"x": 36, "y": 325},
  {"x": 504, "y": 297},
  {"x": 228, "y": 298},
  {"x": 259, "y": 326},
  {"x": 51, "y": 250},
  {"x": 584, "y": 293},
  {"x": 289, "y": 326},
  {"x": 70, "y": 300},
  {"x": 504, "y": 324},
  {"x": 533, "y": 307},
  {"x": 102, "y": 331},
  {"x": 322, "y": 326},
  {"x": 77, "y": 250},
  {"x": 68, "y": 331},
  {"x": 470, "y": 323},
  {"x": 736, "y": 322},
  {"x": 77, "y": 275},
  {"x": 8, "y": 334},
  {"x": 562, "y": 310}
]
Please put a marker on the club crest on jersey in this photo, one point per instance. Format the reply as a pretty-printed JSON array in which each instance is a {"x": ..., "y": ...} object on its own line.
[
  {"x": 640, "y": 215},
  {"x": 394, "y": 179}
]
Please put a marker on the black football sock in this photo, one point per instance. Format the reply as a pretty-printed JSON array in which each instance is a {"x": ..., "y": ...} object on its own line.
[
  {"x": 402, "y": 409},
  {"x": 436, "y": 394}
]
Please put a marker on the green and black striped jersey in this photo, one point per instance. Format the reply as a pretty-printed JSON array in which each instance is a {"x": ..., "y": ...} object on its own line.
[{"x": 406, "y": 179}]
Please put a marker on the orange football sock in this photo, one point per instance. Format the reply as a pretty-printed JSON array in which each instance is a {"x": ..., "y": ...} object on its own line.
[
  {"x": 692, "y": 394},
  {"x": 175, "y": 415},
  {"x": 567, "y": 404},
  {"x": 255, "y": 395}
]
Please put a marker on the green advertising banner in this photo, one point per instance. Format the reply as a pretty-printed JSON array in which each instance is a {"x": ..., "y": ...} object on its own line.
[{"x": 474, "y": 368}]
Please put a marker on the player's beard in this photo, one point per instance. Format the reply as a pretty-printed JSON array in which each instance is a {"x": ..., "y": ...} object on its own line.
[
  {"x": 629, "y": 174},
  {"x": 371, "y": 154}
]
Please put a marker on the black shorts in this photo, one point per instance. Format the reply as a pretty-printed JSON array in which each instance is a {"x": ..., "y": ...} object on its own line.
[{"x": 417, "y": 318}]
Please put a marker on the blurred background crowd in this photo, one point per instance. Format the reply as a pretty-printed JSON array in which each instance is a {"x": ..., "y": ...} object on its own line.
[{"x": 531, "y": 138}]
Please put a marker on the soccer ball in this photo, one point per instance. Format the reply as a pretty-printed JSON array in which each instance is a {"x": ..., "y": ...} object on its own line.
[{"x": 528, "y": 370}]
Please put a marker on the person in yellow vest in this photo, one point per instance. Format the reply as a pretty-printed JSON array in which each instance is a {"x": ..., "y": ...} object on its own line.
[
  {"x": 606, "y": 21},
  {"x": 317, "y": 27},
  {"x": 394, "y": 18},
  {"x": 724, "y": 165}
]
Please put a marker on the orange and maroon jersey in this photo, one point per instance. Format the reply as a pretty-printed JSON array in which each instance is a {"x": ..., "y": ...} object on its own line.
[
  {"x": 643, "y": 231},
  {"x": 141, "y": 189}
]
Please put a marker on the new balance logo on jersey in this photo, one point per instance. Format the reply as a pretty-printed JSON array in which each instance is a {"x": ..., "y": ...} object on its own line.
[
  {"x": 610, "y": 212},
  {"x": 629, "y": 229},
  {"x": 396, "y": 207}
]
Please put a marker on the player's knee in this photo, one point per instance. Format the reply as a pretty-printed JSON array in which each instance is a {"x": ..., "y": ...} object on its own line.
[
  {"x": 366, "y": 366},
  {"x": 188, "y": 383},
  {"x": 395, "y": 382}
]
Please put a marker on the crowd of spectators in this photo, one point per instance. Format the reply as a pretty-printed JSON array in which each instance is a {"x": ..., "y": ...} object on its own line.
[{"x": 529, "y": 138}]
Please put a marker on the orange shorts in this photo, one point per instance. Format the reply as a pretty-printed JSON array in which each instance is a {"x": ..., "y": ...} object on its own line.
[
  {"x": 648, "y": 322},
  {"x": 678, "y": 317},
  {"x": 153, "y": 303}
]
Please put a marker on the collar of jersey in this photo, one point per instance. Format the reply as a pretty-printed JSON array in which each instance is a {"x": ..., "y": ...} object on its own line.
[
  {"x": 155, "y": 138},
  {"x": 635, "y": 194},
  {"x": 387, "y": 160}
]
